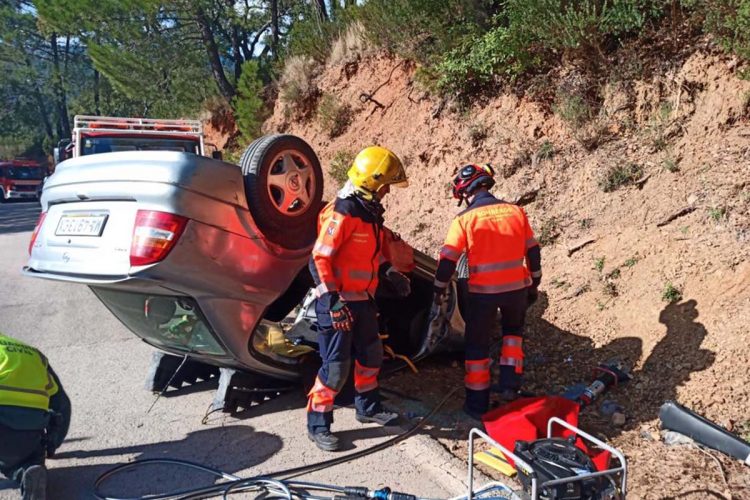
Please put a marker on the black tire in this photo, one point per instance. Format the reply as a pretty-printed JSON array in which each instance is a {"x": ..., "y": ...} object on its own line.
[{"x": 286, "y": 215}]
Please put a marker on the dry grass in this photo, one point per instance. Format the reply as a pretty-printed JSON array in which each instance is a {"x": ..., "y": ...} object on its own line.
[
  {"x": 350, "y": 47},
  {"x": 297, "y": 88}
]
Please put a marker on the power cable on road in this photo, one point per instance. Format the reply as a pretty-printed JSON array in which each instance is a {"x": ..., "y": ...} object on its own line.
[{"x": 282, "y": 488}]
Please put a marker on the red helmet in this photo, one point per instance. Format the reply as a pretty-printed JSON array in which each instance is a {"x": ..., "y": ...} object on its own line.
[{"x": 470, "y": 178}]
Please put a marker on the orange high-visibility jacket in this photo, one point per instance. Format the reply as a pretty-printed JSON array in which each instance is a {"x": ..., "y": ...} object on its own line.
[
  {"x": 348, "y": 251},
  {"x": 502, "y": 251}
]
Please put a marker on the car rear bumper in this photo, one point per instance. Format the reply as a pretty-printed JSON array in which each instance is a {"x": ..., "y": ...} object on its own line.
[{"x": 73, "y": 278}]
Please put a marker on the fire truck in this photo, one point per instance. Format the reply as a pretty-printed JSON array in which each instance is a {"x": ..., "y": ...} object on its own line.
[
  {"x": 102, "y": 134},
  {"x": 20, "y": 179}
]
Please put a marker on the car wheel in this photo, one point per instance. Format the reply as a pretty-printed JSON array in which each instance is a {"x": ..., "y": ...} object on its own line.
[
  {"x": 284, "y": 188},
  {"x": 3, "y": 199}
]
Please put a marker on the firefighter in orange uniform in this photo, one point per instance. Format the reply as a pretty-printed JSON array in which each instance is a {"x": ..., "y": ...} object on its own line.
[
  {"x": 504, "y": 272},
  {"x": 346, "y": 260}
]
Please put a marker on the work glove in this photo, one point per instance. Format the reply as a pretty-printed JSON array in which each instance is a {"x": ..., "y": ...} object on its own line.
[
  {"x": 533, "y": 295},
  {"x": 341, "y": 316},
  {"x": 400, "y": 282}
]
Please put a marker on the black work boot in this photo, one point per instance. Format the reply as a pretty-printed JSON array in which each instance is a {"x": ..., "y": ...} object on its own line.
[
  {"x": 324, "y": 440},
  {"x": 381, "y": 417},
  {"x": 34, "y": 483},
  {"x": 474, "y": 414},
  {"x": 508, "y": 395}
]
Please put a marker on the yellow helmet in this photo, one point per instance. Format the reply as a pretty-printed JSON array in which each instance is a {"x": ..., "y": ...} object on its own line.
[{"x": 375, "y": 167}]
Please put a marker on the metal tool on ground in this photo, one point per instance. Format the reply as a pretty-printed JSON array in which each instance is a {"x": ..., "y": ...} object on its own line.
[
  {"x": 555, "y": 469},
  {"x": 610, "y": 374},
  {"x": 676, "y": 417}
]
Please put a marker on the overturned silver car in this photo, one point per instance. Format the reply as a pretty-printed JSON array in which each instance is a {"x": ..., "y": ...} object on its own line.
[{"x": 205, "y": 259}]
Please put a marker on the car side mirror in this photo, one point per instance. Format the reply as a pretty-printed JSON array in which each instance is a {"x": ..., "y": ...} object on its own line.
[{"x": 216, "y": 155}]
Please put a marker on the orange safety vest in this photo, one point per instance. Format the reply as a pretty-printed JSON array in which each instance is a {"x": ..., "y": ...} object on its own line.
[
  {"x": 348, "y": 251},
  {"x": 496, "y": 238}
]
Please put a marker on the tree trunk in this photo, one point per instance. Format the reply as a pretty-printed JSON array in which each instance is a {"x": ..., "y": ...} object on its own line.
[
  {"x": 275, "y": 28},
  {"x": 41, "y": 105},
  {"x": 238, "y": 58},
  {"x": 226, "y": 88},
  {"x": 238, "y": 55},
  {"x": 97, "y": 107},
  {"x": 43, "y": 113},
  {"x": 321, "y": 7},
  {"x": 58, "y": 84}
]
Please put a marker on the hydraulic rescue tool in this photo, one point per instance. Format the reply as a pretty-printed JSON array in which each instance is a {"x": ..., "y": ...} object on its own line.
[{"x": 611, "y": 373}]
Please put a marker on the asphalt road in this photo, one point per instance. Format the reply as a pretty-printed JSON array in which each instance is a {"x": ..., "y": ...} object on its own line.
[{"x": 103, "y": 367}]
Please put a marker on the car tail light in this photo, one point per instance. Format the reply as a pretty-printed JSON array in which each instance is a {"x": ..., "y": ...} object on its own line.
[
  {"x": 154, "y": 236},
  {"x": 36, "y": 230}
]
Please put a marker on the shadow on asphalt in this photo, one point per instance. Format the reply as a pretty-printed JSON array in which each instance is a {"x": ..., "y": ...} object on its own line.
[
  {"x": 18, "y": 217},
  {"x": 230, "y": 449},
  {"x": 348, "y": 438},
  {"x": 296, "y": 400}
]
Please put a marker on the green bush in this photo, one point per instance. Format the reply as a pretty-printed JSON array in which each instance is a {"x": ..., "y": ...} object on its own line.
[
  {"x": 249, "y": 108},
  {"x": 620, "y": 175},
  {"x": 730, "y": 21},
  {"x": 333, "y": 117},
  {"x": 481, "y": 63},
  {"x": 420, "y": 29},
  {"x": 580, "y": 26},
  {"x": 573, "y": 109},
  {"x": 671, "y": 293},
  {"x": 339, "y": 167},
  {"x": 528, "y": 34},
  {"x": 546, "y": 151},
  {"x": 549, "y": 232},
  {"x": 470, "y": 46},
  {"x": 312, "y": 37}
]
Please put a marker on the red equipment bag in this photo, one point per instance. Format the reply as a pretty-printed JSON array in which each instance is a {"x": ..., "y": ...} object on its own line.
[{"x": 526, "y": 420}]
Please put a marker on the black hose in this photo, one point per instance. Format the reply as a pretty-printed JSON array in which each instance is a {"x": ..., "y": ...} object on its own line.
[{"x": 234, "y": 483}]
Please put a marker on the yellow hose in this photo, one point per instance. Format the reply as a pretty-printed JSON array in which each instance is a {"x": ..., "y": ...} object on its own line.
[{"x": 388, "y": 350}]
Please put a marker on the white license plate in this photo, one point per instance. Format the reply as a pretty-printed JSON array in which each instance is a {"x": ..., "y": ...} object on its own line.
[{"x": 81, "y": 225}]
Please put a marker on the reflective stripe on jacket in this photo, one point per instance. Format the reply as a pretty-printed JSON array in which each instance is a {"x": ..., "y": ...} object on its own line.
[
  {"x": 497, "y": 238},
  {"x": 348, "y": 251},
  {"x": 24, "y": 378}
]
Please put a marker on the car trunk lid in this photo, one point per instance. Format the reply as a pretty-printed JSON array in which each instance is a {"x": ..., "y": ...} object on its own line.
[{"x": 85, "y": 238}]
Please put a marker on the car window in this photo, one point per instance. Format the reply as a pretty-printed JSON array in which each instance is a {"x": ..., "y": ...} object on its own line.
[
  {"x": 96, "y": 145},
  {"x": 28, "y": 173},
  {"x": 163, "y": 321}
]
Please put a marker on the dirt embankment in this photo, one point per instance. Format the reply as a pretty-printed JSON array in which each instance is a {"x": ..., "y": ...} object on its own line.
[{"x": 680, "y": 139}]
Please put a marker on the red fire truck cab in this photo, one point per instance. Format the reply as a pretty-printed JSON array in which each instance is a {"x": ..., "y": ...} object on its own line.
[{"x": 20, "y": 179}]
